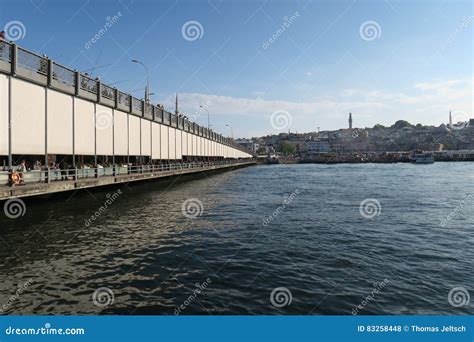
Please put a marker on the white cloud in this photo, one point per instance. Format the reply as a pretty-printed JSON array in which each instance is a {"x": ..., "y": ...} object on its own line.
[{"x": 427, "y": 103}]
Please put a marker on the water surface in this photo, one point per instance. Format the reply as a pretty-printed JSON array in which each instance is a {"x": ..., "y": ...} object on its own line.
[{"x": 316, "y": 245}]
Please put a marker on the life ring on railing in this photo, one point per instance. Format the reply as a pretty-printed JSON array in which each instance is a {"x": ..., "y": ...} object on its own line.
[{"x": 15, "y": 177}]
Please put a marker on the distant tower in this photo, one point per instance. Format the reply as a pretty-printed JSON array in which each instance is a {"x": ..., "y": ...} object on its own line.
[
  {"x": 350, "y": 120},
  {"x": 450, "y": 119},
  {"x": 176, "y": 111}
]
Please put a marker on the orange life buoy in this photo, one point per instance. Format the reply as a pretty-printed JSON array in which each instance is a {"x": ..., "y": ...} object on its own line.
[{"x": 16, "y": 177}]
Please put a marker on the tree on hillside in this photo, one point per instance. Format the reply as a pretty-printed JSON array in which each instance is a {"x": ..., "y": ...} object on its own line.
[
  {"x": 379, "y": 126},
  {"x": 287, "y": 148},
  {"x": 401, "y": 124}
]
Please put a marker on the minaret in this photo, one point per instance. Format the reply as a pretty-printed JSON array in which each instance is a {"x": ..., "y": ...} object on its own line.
[
  {"x": 176, "y": 111},
  {"x": 350, "y": 120},
  {"x": 450, "y": 119}
]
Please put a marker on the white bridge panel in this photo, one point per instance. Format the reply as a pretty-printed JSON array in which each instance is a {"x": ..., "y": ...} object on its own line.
[
  {"x": 59, "y": 113},
  {"x": 28, "y": 118},
  {"x": 155, "y": 134},
  {"x": 184, "y": 143},
  {"x": 134, "y": 135},
  {"x": 164, "y": 142},
  {"x": 120, "y": 133},
  {"x": 179, "y": 153},
  {"x": 3, "y": 115},
  {"x": 146, "y": 137},
  {"x": 189, "y": 142},
  {"x": 104, "y": 121},
  {"x": 195, "y": 140},
  {"x": 199, "y": 146},
  {"x": 84, "y": 130},
  {"x": 172, "y": 143}
]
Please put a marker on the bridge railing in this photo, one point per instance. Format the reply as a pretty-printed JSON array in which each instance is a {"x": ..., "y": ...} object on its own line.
[
  {"x": 73, "y": 174},
  {"x": 20, "y": 62},
  {"x": 63, "y": 78}
]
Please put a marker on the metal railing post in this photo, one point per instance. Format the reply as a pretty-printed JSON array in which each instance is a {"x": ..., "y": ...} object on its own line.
[
  {"x": 99, "y": 91},
  {"x": 50, "y": 72},
  {"x": 77, "y": 82},
  {"x": 116, "y": 96},
  {"x": 14, "y": 58}
]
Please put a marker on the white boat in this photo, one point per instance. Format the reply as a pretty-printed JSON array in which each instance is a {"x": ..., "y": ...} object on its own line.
[{"x": 423, "y": 158}]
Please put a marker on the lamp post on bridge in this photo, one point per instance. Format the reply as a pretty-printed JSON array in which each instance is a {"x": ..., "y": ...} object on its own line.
[
  {"x": 231, "y": 131},
  {"x": 208, "y": 122},
  {"x": 147, "y": 88}
]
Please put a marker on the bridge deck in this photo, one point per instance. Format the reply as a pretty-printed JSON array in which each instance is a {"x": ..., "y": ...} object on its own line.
[{"x": 38, "y": 188}]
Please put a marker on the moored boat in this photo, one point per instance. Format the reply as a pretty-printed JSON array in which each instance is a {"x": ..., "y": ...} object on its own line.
[{"x": 423, "y": 158}]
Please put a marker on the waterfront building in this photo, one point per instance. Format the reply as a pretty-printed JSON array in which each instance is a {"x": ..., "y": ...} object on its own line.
[
  {"x": 248, "y": 144},
  {"x": 316, "y": 146}
]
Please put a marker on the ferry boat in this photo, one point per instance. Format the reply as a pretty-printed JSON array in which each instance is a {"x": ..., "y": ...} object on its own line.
[
  {"x": 272, "y": 159},
  {"x": 423, "y": 158}
]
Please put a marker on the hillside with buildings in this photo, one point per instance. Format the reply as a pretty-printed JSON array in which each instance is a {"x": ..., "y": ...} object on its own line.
[{"x": 402, "y": 136}]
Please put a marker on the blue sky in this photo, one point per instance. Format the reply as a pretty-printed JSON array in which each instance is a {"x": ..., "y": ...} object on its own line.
[{"x": 316, "y": 69}]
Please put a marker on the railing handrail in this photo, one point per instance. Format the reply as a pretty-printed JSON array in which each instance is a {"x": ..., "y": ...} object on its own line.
[{"x": 55, "y": 174}]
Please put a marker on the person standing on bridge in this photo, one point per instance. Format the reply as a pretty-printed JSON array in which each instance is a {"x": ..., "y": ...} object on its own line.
[{"x": 21, "y": 170}]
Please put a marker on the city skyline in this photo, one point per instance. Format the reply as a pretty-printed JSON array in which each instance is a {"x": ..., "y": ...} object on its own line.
[{"x": 315, "y": 61}]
